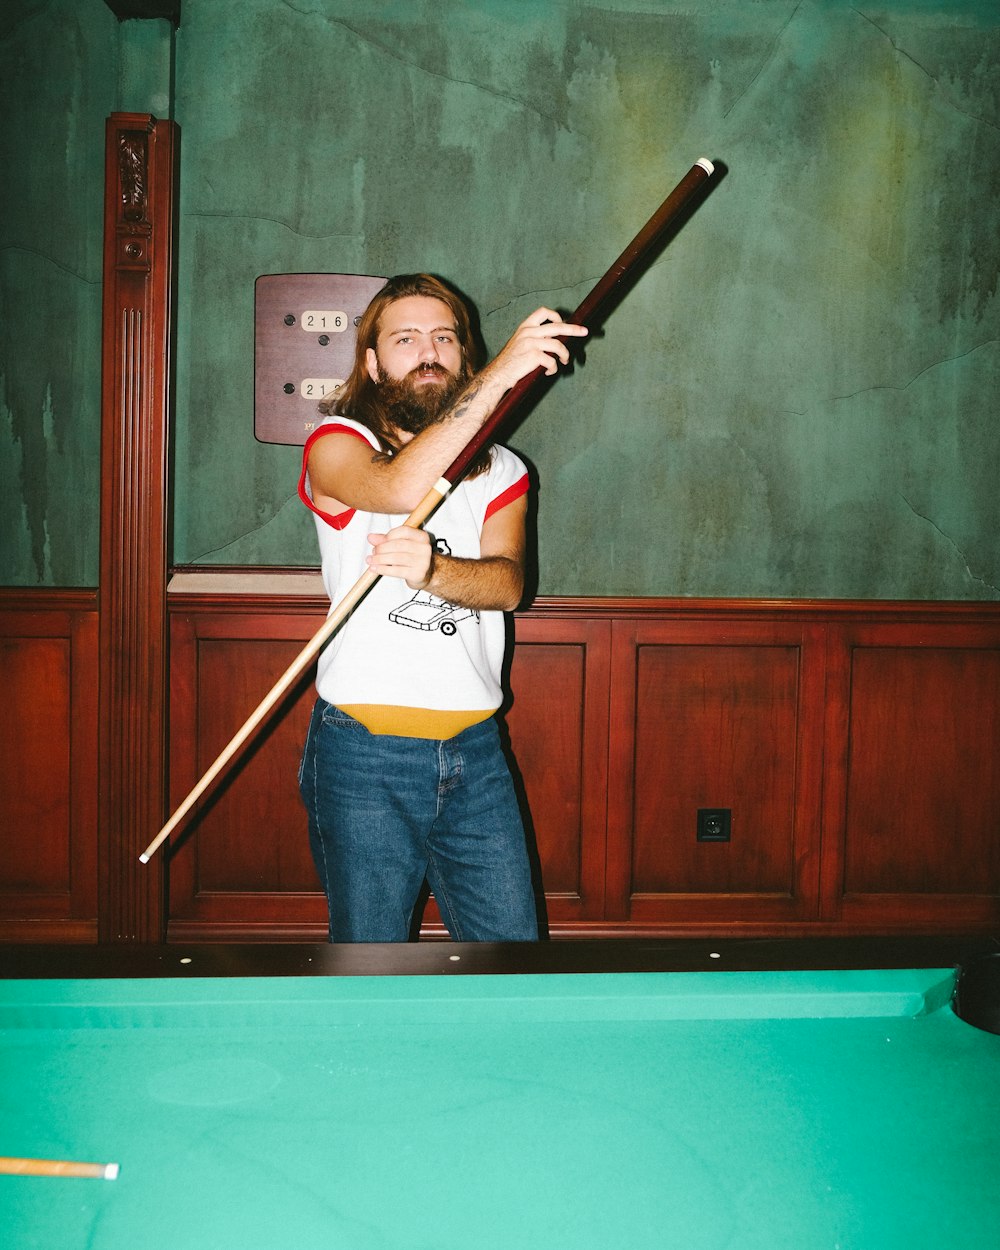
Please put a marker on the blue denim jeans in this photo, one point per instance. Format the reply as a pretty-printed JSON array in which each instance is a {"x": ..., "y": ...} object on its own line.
[{"x": 386, "y": 813}]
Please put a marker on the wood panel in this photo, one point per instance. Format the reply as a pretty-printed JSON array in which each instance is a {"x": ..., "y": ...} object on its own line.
[
  {"x": 716, "y": 715},
  {"x": 621, "y": 728},
  {"x": 242, "y": 865},
  {"x": 48, "y": 766},
  {"x": 855, "y": 744},
  {"x": 558, "y": 723},
  {"x": 918, "y": 818}
]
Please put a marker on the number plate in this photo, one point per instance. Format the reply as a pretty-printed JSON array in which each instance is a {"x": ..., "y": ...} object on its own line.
[{"x": 304, "y": 339}]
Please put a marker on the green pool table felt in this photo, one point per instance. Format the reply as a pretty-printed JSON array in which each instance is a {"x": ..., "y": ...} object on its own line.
[{"x": 845, "y": 1110}]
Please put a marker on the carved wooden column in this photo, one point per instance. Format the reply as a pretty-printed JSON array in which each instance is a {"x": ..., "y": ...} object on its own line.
[{"x": 140, "y": 201}]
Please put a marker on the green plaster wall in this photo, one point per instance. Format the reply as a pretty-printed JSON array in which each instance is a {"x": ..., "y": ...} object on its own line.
[
  {"x": 58, "y": 76},
  {"x": 799, "y": 397},
  {"x": 65, "y": 65}
]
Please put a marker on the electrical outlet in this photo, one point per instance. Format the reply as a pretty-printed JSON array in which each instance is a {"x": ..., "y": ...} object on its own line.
[{"x": 714, "y": 824}]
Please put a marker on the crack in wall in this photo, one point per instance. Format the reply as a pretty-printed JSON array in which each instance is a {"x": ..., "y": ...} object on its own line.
[
  {"x": 590, "y": 282},
  {"x": 769, "y": 57},
  {"x": 517, "y": 101},
  {"x": 256, "y": 529},
  {"x": 982, "y": 581},
  {"x": 889, "y": 386},
  {"x": 31, "y": 251},
  {"x": 535, "y": 295},
  {"x": 275, "y": 221},
  {"x": 949, "y": 99}
]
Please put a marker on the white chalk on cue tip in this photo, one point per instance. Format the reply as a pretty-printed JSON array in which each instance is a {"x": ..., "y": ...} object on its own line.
[
  {"x": 706, "y": 164},
  {"x": 111, "y": 1172},
  {"x": 144, "y": 858}
]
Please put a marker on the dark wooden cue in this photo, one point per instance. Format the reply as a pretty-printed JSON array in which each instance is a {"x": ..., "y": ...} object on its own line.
[
  {"x": 631, "y": 259},
  {"x": 634, "y": 255}
]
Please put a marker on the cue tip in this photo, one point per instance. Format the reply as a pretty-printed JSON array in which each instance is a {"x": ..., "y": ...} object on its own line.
[
  {"x": 111, "y": 1172},
  {"x": 144, "y": 858},
  {"x": 706, "y": 164}
]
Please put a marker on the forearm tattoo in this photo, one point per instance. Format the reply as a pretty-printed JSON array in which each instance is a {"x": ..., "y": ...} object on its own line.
[{"x": 461, "y": 405}]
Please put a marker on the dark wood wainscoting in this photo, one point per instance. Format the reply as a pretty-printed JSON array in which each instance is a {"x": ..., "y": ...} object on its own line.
[
  {"x": 852, "y": 747},
  {"x": 720, "y": 715},
  {"x": 914, "y": 748},
  {"x": 242, "y": 866},
  {"x": 246, "y": 870},
  {"x": 48, "y": 766}
]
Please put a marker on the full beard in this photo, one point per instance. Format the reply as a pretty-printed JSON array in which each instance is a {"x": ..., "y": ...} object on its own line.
[{"x": 412, "y": 405}]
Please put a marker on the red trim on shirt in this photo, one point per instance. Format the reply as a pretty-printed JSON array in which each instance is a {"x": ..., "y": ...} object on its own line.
[
  {"x": 519, "y": 488},
  {"x": 341, "y": 519}
]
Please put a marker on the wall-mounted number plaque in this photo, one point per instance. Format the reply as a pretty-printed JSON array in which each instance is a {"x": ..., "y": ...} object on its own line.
[{"x": 304, "y": 336}]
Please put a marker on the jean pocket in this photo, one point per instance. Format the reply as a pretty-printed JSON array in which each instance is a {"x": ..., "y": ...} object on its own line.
[{"x": 333, "y": 716}]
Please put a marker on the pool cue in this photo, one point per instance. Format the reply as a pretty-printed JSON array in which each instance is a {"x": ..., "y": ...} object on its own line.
[
  {"x": 636, "y": 252},
  {"x": 58, "y": 1167}
]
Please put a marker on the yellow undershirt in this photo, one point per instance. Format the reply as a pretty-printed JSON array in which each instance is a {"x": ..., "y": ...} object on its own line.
[{"x": 413, "y": 722}]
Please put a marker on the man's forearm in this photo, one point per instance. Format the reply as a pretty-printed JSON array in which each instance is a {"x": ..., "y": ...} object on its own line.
[
  {"x": 396, "y": 484},
  {"x": 494, "y": 583}
]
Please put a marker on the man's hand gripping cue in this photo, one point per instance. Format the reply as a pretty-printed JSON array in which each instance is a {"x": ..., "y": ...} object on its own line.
[{"x": 536, "y": 343}]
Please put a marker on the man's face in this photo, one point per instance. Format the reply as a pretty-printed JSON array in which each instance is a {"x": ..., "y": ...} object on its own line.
[{"x": 417, "y": 362}]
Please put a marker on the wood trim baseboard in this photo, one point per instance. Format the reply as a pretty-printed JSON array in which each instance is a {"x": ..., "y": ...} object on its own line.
[
  {"x": 47, "y": 599},
  {"x": 214, "y": 585}
]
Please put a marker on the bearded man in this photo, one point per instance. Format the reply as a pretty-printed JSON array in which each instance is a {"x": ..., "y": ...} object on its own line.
[{"x": 402, "y": 775}]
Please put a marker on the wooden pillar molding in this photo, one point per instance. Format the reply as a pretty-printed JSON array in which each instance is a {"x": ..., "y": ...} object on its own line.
[{"x": 140, "y": 201}]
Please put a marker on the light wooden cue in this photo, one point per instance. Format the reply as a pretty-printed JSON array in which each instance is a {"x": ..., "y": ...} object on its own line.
[
  {"x": 295, "y": 670},
  {"x": 635, "y": 254},
  {"x": 58, "y": 1167}
]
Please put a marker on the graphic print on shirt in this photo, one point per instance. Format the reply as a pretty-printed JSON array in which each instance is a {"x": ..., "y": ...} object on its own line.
[{"x": 427, "y": 611}]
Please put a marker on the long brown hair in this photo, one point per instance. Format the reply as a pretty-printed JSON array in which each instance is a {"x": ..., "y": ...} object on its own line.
[{"x": 359, "y": 398}]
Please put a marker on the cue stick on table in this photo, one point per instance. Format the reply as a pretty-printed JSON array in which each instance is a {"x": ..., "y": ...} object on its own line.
[
  {"x": 57, "y": 1167},
  {"x": 641, "y": 246}
]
